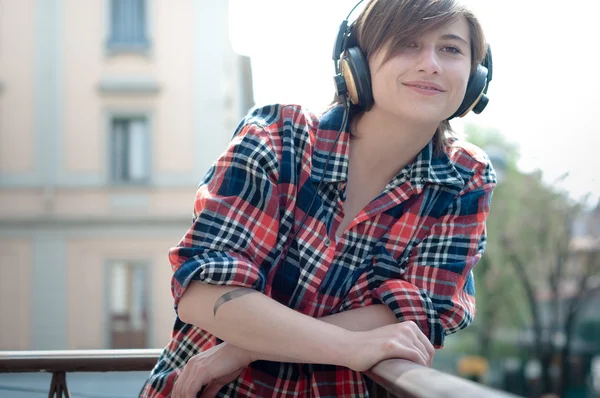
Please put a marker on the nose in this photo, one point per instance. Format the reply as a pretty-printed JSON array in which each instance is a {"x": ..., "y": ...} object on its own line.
[{"x": 428, "y": 61}]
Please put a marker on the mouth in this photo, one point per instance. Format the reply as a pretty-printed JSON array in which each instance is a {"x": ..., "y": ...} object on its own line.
[
  {"x": 425, "y": 86},
  {"x": 425, "y": 89}
]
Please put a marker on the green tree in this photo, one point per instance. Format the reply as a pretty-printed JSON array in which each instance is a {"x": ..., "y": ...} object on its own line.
[
  {"x": 500, "y": 299},
  {"x": 530, "y": 231}
]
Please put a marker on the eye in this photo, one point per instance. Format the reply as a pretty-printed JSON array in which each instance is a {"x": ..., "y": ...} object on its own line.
[{"x": 452, "y": 49}]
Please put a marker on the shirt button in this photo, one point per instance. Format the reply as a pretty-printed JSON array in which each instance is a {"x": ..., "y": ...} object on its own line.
[
  {"x": 341, "y": 186},
  {"x": 327, "y": 242}
]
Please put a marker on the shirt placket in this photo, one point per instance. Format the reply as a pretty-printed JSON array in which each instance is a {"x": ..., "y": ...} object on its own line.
[
  {"x": 398, "y": 191},
  {"x": 337, "y": 216}
]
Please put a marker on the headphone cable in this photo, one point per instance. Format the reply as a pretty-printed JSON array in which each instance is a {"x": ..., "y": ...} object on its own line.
[{"x": 346, "y": 104}]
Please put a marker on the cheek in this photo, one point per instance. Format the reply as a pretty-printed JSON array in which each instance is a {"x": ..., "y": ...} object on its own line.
[
  {"x": 463, "y": 87},
  {"x": 462, "y": 79},
  {"x": 381, "y": 86},
  {"x": 460, "y": 82}
]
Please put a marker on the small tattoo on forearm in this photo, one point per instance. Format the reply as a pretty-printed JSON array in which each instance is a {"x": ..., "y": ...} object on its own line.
[{"x": 232, "y": 295}]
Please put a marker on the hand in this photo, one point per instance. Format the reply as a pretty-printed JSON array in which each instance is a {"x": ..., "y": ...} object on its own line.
[
  {"x": 401, "y": 340},
  {"x": 212, "y": 368}
]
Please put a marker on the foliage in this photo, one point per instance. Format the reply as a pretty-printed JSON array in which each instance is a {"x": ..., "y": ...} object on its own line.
[{"x": 527, "y": 268}]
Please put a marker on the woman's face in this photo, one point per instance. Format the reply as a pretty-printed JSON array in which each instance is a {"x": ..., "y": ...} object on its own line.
[{"x": 426, "y": 80}]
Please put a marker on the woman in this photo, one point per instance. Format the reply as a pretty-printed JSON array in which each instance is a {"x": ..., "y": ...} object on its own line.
[{"x": 320, "y": 247}]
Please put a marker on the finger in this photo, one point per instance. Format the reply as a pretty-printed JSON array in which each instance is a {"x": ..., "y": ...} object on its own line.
[
  {"x": 422, "y": 356},
  {"x": 412, "y": 337},
  {"x": 179, "y": 381},
  {"x": 422, "y": 351},
  {"x": 406, "y": 347},
  {"x": 420, "y": 342},
  {"x": 413, "y": 354},
  {"x": 211, "y": 390},
  {"x": 424, "y": 342},
  {"x": 194, "y": 382},
  {"x": 428, "y": 347}
]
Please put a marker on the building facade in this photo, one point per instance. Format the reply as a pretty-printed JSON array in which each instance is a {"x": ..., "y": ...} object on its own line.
[{"x": 110, "y": 113}]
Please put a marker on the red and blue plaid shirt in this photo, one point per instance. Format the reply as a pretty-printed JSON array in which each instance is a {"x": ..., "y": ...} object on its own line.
[{"x": 412, "y": 248}]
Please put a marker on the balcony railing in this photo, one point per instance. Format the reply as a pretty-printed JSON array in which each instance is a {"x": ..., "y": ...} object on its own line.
[{"x": 392, "y": 378}]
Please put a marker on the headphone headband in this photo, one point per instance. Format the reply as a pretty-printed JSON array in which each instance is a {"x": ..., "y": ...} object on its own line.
[{"x": 341, "y": 41}]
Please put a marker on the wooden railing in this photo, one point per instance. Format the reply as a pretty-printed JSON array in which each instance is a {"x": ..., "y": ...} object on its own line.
[
  {"x": 59, "y": 363},
  {"x": 393, "y": 378},
  {"x": 405, "y": 379}
]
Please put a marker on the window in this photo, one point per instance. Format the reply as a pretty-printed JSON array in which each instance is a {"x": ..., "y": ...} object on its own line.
[
  {"x": 129, "y": 145},
  {"x": 128, "y": 305},
  {"x": 128, "y": 25}
]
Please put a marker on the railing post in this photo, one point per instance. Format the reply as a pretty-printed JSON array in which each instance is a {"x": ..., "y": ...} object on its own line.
[{"x": 58, "y": 386}]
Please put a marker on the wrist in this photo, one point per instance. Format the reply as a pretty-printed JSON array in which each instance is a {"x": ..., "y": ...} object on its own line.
[
  {"x": 245, "y": 355},
  {"x": 346, "y": 348},
  {"x": 252, "y": 355}
]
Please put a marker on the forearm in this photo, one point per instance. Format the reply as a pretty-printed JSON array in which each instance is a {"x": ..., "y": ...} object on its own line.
[
  {"x": 363, "y": 319},
  {"x": 357, "y": 320},
  {"x": 260, "y": 324}
]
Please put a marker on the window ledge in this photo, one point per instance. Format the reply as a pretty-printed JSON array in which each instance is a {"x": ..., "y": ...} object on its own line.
[
  {"x": 128, "y": 84},
  {"x": 134, "y": 184},
  {"x": 116, "y": 47}
]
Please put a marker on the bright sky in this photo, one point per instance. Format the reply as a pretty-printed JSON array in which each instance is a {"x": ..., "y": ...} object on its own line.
[{"x": 545, "y": 95}]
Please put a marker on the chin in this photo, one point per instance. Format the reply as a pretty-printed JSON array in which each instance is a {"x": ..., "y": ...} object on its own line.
[{"x": 425, "y": 116}]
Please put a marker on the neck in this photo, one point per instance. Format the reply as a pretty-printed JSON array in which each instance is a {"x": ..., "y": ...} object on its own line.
[{"x": 385, "y": 143}]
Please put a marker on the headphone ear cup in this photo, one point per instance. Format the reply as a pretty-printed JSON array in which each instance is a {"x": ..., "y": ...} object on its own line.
[
  {"x": 475, "y": 90},
  {"x": 355, "y": 70}
]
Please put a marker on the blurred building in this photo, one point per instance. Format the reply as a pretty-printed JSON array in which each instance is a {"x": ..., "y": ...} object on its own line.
[{"x": 110, "y": 113}]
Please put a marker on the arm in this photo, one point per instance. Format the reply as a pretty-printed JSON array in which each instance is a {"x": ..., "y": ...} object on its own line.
[
  {"x": 268, "y": 330},
  {"x": 263, "y": 326},
  {"x": 358, "y": 320},
  {"x": 363, "y": 319},
  {"x": 223, "y": 363}
]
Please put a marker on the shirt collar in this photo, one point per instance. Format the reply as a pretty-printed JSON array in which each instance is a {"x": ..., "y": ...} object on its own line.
[
  {"x": 329, "y": 126},
  {"x": 427, "y": 167},
  {"x": 434, "y": 169}
]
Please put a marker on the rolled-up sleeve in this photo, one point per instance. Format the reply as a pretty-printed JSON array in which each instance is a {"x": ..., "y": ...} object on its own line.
[
  {"x": 437, "y": 290},
  {"x": 235, "y": 224}
]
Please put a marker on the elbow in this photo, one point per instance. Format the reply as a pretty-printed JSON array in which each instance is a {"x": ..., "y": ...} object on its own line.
[
  {"x": 187, "y": 307},
  {"x": 183, "y": 308},
  {"x": 195, "y": 304}
]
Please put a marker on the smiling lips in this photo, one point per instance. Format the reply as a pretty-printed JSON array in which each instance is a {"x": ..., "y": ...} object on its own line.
[{"x": 425, "y": 88}]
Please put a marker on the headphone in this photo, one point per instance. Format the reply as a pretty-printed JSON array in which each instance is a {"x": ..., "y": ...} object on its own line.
[{"x": 353, "y": 79}]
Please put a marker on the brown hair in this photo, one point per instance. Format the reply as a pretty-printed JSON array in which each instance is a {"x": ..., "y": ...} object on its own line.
[{"x": 397, "y": 22}]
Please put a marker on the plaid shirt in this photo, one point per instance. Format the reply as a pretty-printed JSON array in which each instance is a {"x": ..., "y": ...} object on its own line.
[{"x": 412, "y": 248}]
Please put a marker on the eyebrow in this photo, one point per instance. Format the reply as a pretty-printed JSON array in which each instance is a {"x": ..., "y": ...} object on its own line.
[{"x": 454, "y": 37}]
